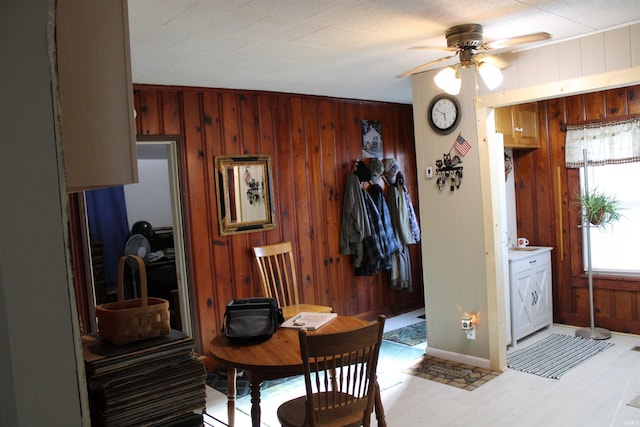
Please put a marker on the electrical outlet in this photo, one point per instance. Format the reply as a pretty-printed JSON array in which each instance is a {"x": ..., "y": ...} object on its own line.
[{"x": 471, "y": 334}]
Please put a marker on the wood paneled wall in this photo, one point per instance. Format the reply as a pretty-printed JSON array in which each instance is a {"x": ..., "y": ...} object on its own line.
[
  {"x": 313, "y": 143},
  {"x": 547, "y": 212}
]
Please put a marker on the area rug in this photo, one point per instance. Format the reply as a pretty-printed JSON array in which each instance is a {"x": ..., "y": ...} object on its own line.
[
  {"x": 555, "y": 355},
  {"x": 455, "y": 374},
  {"x": 218, "y": 380},
  {"x": 408, "y": 335}
]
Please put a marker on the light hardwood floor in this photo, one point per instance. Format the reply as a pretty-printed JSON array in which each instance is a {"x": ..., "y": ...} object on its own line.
[{"x": 594, "y": 393}]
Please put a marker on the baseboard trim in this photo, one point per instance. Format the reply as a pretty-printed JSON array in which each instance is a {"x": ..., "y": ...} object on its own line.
[{"x": 457, "y": 357}]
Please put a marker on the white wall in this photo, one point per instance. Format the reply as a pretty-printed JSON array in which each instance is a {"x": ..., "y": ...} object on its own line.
[
  {"x": 452, "y": 222},
  {"x": 41, "y": 380},
  {"x": 150, "y": 198},
  {"x": 603, "y": 60}
]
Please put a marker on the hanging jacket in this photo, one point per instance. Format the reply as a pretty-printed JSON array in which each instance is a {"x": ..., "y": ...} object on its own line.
[
  {"x": 373, "y": 246},
  {"x": 388, "y": 235},
  {"x": 399, "y": 216},
  {"x": 379, "y": 248},
  {"x": 355, "y": 226},
  {"x": 413, "y": 220},
  {"x": 400, "y": 275}
]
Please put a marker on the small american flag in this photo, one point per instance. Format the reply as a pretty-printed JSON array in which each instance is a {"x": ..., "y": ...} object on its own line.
[{"x": 462, "y": 146}]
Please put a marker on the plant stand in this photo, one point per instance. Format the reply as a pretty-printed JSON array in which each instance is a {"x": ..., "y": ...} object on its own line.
[{"x": 592, "y": 332}]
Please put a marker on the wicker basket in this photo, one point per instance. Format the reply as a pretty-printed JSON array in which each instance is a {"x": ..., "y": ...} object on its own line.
[{"x": 136, "y": 319}]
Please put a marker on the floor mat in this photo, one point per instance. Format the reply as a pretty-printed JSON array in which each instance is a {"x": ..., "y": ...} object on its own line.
[
  {"x": 455, "y": 374},
  {"x": 408, "y": 335},
  {"x": 555, "y": 355}
]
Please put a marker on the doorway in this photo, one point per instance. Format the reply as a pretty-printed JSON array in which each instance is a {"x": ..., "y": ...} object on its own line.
[{"x": 155, "y": 200}]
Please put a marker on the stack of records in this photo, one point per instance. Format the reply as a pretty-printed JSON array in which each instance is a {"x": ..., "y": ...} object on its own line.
[{"x": 155, "y": 382}]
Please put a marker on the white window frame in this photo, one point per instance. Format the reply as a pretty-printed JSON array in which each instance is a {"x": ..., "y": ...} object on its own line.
[{"x": 614, "y": 247}]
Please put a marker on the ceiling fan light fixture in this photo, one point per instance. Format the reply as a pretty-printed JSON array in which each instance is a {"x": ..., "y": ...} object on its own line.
[
  {"x": 448, "y": 80},
  {"x": 491, "y": 75}
]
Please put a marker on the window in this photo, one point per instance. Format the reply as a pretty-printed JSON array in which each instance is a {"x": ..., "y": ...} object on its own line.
[
  {"x": 614, "y": 248},
  {"x": 612, "y": 153}
]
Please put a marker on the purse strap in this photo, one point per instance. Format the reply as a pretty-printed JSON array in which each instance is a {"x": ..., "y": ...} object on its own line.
[{"x": 143, "y": 278}]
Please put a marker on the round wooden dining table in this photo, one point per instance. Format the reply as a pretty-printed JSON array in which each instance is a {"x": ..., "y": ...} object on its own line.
[{"x": 278, "y": 357}]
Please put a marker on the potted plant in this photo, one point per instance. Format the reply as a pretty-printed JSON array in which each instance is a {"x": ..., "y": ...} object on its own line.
[{"x": 599, "y": 208}]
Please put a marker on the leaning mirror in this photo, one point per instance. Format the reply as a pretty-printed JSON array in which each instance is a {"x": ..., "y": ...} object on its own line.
[{"x": 244, "y": 191}]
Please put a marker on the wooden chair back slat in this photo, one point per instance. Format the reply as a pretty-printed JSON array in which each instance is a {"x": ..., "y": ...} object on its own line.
[
  {"x": 340, "y": 374},
  {"x": 277, "y": 272}
]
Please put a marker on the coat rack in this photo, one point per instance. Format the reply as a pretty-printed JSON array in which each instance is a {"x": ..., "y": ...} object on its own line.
[{"x": 448, "y": 169}]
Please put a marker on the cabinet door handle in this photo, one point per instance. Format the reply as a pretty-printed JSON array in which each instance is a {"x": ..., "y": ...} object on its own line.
[
  {"x": 533, "y": 298},
  {"x": 533, "y": 261},
  {"x": 518, "y": 130}
]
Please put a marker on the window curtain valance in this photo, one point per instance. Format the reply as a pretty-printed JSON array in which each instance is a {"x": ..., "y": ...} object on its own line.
[{"x": 606, "y": 143}]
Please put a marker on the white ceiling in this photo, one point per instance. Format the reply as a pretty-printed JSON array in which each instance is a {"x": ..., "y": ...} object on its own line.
[{"x": 340, "y": 48}]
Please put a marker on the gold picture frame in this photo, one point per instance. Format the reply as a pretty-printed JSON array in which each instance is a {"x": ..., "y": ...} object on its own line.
[{"x": 244, "y": 188}]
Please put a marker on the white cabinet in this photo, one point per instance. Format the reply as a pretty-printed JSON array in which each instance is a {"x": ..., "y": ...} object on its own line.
[
  {"x": 531, "y": 297},
  {"x": 91, "y": 69}
]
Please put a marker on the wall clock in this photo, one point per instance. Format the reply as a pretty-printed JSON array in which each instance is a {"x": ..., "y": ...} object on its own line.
[{"x": 444, "y": 113}]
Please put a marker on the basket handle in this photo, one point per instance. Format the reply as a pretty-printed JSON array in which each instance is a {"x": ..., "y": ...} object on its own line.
[{"x": 143, "y": 279}]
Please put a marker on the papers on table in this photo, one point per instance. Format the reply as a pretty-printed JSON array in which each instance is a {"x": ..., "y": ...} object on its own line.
[{"x": 309, "y": 321}]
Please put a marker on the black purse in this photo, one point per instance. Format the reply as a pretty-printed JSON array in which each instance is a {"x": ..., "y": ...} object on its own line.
[{"x": 252, "y": 320}]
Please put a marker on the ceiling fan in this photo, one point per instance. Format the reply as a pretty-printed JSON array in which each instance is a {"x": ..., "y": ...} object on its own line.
[{"x": 466, "y": 40}]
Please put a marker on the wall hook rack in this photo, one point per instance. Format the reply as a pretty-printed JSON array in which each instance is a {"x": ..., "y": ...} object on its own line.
[{"x": 448, "y": 169}]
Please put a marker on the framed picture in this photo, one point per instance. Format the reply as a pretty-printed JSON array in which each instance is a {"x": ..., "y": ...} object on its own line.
[
  {"x": 371, "y": 138},
  {"x": 244, "y": 189}
]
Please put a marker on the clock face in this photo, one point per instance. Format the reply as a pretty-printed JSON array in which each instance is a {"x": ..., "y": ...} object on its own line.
[{"x": 444, "y": 114}]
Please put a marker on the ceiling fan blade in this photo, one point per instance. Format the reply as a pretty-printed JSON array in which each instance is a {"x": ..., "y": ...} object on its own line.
[
  {"x": 492, "y": 59},
  {"x": 423, "y": 67},
  {"x": 450, "y": 49},
  {"x": 512, "y": 41}
]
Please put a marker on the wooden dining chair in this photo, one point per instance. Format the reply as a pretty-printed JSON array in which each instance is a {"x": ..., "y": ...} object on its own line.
[
  {"x": 279, "y": 279},
  {"x": 340, "y": 378}
]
